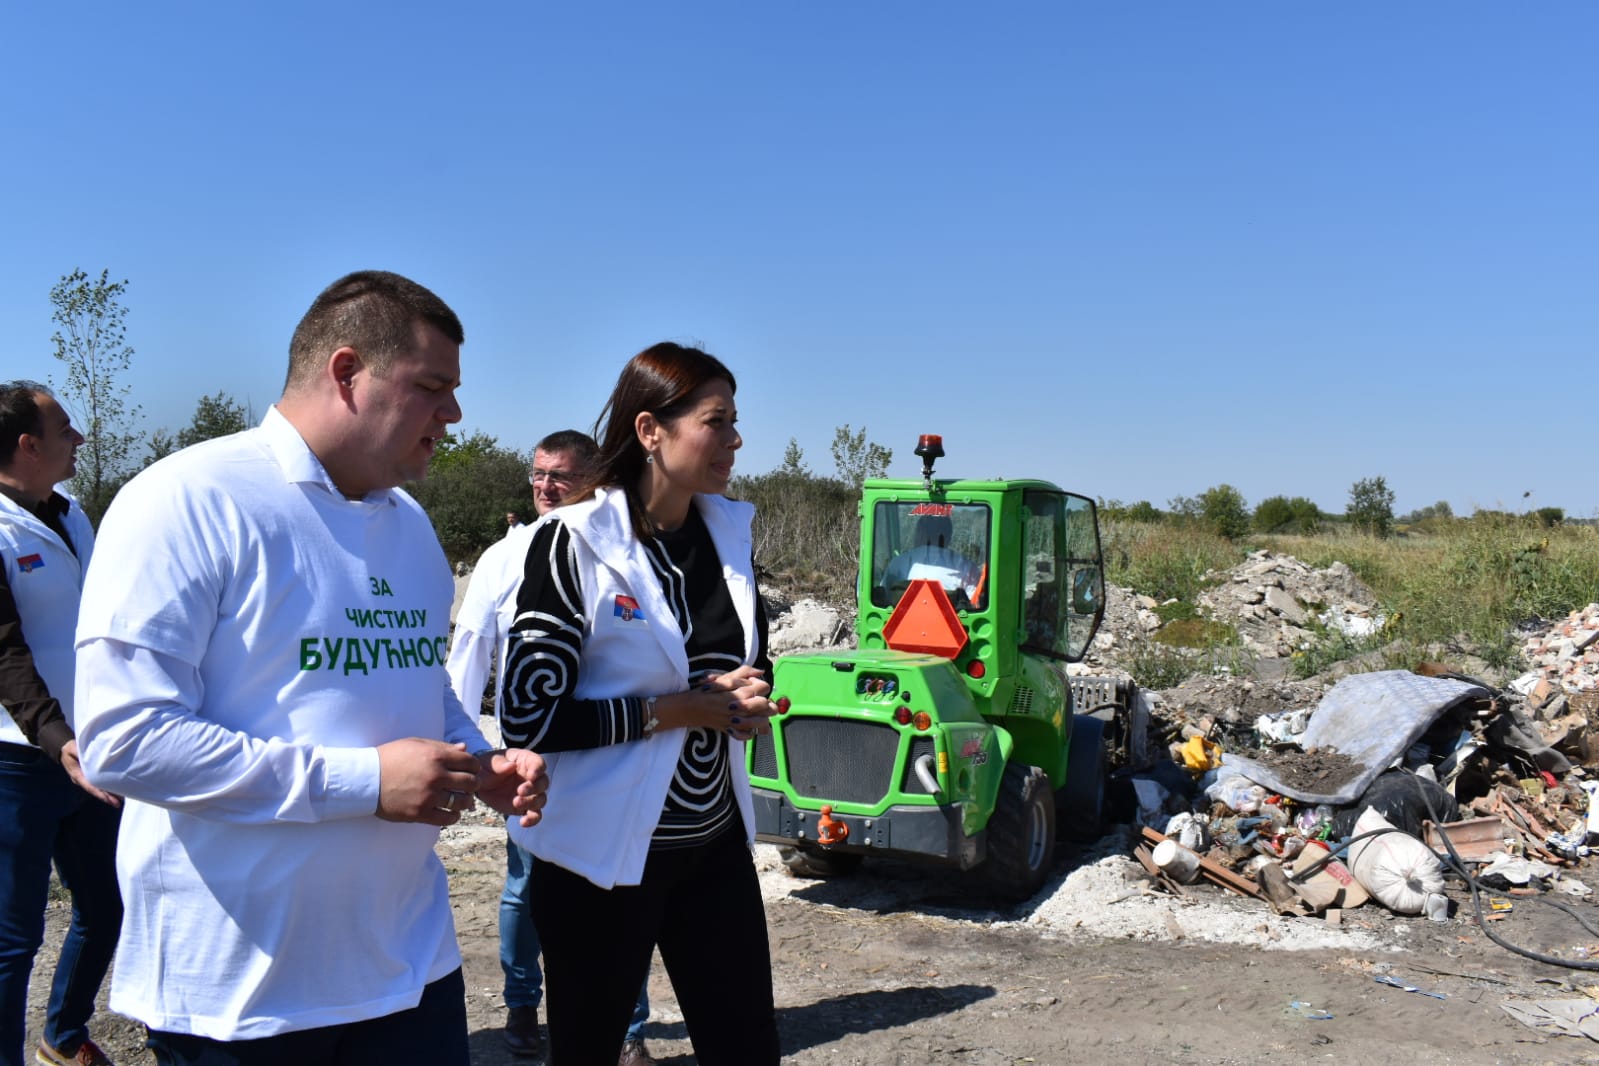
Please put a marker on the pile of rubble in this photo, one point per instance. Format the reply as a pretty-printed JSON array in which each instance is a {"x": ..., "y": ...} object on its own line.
[
  {"x": 1275, "y": 600},
  {"x": 1567, "y": 654},
  {"x": 1129, "y": 618},
  {"x": 1394, "y": 788},
  {"x": 1276, "y": 603}
]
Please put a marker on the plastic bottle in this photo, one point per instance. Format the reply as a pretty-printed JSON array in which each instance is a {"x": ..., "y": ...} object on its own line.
[{"x": 1241, "y": 795}]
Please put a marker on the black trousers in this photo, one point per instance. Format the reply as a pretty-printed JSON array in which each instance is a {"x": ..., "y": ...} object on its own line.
[
  {"x": 702, "y": 907},
  {"x": 433, "y": 1031}
]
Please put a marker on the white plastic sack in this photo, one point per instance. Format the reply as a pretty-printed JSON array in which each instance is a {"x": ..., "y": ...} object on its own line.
[{"x": 1395, "y": 867}]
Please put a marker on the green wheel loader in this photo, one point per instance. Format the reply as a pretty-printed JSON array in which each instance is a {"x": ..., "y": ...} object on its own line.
[{"x": 949, "y": 735}]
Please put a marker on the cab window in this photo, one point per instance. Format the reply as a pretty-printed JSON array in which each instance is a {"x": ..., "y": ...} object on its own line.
[
  {"x": 1063, "y": 583},
  {"x": 943, "y": 542}
]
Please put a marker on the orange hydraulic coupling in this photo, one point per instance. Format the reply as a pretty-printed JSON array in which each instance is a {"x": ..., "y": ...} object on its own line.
[{"x": 830, "y": 830}]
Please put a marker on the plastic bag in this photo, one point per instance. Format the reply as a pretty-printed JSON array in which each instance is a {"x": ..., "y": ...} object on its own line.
[
  {"x": 1192, "y": 831},
  {"x": 1238, "y": 793},
  {"x": 1399, "y": 870},
  {"x": 1405, "y": 799}
]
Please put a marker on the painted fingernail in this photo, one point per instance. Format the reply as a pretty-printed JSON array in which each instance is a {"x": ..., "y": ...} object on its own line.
[
  {"x": 706, "y": 688},
  {"x": 733, "y": 706},
  {"x": 737, "y": 721}
]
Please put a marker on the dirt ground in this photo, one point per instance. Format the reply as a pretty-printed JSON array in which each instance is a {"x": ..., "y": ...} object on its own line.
[{"x": 899, "y": 965}]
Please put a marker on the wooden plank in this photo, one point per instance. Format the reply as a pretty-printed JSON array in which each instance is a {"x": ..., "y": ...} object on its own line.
[
  {"x": 1147, "y": 858},
  {"x": 1212, "y": 870}
]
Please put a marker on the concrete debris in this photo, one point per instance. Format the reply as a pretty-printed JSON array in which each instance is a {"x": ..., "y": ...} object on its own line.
[
  {"x": 810, "y": 626},
  {"x": 1275, "y": 600},
  {"x": 1567, "y": 654}
]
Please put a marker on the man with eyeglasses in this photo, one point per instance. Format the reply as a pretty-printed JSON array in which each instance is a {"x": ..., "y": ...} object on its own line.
[{"x": 560, "y": 462}]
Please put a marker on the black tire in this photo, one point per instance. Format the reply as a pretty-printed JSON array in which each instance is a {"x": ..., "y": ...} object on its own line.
[
  {"x": 819, "y": 863},
  {"x": 1021, "y": 834},
  {"x": 1080, "y": 804}
]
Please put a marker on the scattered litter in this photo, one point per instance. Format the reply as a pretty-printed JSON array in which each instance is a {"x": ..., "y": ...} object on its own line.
[
  {"x": 1309, "y": 1012},
  {"x": 1394, "y": 982},
  {"x": 1568, "y": 1017}
]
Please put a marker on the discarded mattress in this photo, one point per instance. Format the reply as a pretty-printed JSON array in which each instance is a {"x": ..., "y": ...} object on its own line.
[{"x": 1372, "y": 718}]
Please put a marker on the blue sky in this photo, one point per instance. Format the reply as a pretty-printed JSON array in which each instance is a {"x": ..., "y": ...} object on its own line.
[{"x": 1139, "y": 249}]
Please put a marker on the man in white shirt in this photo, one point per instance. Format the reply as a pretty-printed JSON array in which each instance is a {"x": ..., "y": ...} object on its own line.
[
  {"x": 261, "y": 675},
  {"x": 930, "y": 557},
  {"x": 49, "y": 813}
]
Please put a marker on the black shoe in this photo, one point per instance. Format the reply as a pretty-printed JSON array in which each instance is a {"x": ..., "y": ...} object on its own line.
[
  {"x": 522, "y": 1034},
  {"x": 634, "y": 1053}
]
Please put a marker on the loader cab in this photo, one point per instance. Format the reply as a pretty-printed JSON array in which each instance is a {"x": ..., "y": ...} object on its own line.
[{"x": 1019, "y": 562}]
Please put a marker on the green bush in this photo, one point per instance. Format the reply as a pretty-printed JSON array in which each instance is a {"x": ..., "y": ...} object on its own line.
[
  {"x": 471, "y": 484},
  {"x": 1166, "y": 561},
  {"x": 1223, "y": 508},
  {"x": 807, "y": 532},
  {"x": 1279, "y": 514}
]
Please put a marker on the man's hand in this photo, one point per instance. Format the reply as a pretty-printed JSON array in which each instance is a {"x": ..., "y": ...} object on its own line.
[
  {"x": 513, "y": 782},
  {"x": 74, "y": 768},
  {"x": 425, "y": 781}
]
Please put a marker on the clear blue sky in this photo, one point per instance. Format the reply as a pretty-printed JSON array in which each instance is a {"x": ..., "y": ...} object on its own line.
[{"x": 1137, "y": 249}]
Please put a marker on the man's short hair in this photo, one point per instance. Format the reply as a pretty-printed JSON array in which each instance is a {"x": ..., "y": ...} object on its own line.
[
  {"x": 935, "y": 529},
  {"x": 19, "y": 414},
  {"x": 372, "y": 311},
  {"x": 571, "y": 442}
]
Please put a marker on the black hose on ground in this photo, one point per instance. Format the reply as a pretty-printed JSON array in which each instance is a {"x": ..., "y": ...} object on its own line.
[{"x": 1457, "y": 867}]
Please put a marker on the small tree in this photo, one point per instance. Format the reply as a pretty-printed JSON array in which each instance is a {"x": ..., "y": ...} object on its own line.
[
  {"x": 857, "y": 459},
  {"x": 1371, "y": 506},
  {"x": 91, "y": 340},
  {"x": 160, "y": 445},
  {"x": 472, "y": 483},
  {"x": 214, "y": 416},
  {"x": 1187, "y": 508},
  {"x": 794, "y": 461},
  {"x": 1223, "y": 508},
  {"x": 1117, "y": 511},
  {"x": 1279, "y": 514},
  {"x": 1143, "y": 511},
  {"x": 1441, "y": 509}
]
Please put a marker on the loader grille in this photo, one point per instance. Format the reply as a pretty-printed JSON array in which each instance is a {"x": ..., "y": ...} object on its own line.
[
  {"x": 912, "y": 785},
  {"x": 832, "y": 759},
  {"x": 763, "y": 759}
]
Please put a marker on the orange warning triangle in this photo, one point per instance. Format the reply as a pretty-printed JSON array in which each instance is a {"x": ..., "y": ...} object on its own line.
[{"x": 925, "y": 621}]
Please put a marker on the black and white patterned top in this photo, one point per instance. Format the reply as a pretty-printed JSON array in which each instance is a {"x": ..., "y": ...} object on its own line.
[{"x": 546, "y": 645}]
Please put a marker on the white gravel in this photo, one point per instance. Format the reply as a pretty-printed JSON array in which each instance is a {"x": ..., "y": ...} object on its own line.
[{"x": 1106, "y": 896}]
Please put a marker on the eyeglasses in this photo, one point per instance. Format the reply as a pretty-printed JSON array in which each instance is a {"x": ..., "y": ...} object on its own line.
[{"x": 556, "y": 477}]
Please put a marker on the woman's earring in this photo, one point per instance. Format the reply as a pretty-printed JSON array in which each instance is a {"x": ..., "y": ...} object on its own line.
[{"x": 649, "y": 457}]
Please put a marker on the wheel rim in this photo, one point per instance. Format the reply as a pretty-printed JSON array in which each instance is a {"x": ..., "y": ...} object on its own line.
[{"x": 1037, "y": 836}]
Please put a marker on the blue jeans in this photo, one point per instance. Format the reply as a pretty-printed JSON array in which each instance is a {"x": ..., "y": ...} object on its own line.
[
  {"x": 519, "y": 943},
  {"x": 433, "y": 1031},
  {"x": 45, "y": 818}
]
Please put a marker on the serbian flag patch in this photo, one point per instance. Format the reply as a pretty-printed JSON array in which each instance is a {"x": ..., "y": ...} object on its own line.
[
  {"x": 30, "y": 562},
  {"x": 627, "y": 609}
]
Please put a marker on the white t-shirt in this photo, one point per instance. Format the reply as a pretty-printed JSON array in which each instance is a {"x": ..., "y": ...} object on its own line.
[
  {"x": 485, "y": 616},
  {"x": 247, "y": 638},
  {"x": 931, "y": 562}
]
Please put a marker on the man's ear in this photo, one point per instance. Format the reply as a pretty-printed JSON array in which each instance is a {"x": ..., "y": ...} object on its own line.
[{"x": 343, "y": 365}]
